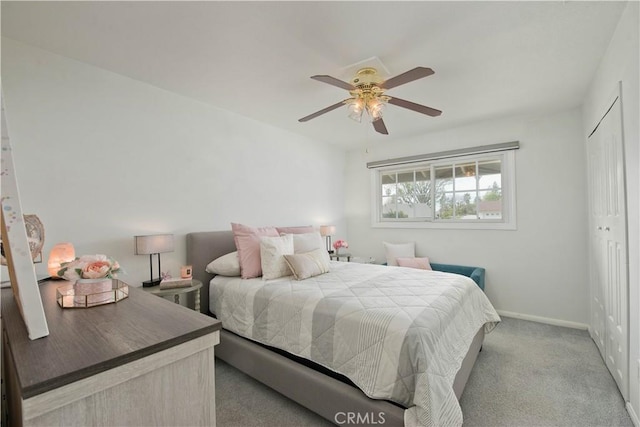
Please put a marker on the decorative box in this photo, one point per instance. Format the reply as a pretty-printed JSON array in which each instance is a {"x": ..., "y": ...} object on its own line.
[{"x": 84, "y": 294}]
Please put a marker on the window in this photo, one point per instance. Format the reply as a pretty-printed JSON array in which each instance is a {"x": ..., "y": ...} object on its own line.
[
  {"x": 473, "y": 191},
  {"x": 406, "y": 194}
]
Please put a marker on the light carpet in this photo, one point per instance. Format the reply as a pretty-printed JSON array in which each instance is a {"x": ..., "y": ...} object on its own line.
[{"x": 528, "y": 374}]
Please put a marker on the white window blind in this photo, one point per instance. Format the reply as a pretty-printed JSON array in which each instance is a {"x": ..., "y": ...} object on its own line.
[{"x": 505, "y": 146}]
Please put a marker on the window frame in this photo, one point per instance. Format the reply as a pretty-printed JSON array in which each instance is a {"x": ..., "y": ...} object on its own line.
[{"x": 508, "y": 191}]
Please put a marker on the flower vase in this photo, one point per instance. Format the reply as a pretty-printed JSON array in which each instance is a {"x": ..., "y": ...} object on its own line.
[
  {"x": 338, "y": 252},
  {"x": 93, "y": 291}
]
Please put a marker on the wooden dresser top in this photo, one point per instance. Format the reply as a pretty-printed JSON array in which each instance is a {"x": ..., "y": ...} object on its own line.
[{"x": 85, "y": 341}]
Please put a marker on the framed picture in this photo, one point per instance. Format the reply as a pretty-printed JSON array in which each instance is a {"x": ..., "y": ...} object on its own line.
[{"x": 15, "y": 244}]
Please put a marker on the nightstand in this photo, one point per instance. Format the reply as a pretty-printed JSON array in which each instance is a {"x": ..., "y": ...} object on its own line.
[
  {"x": 176, "y": 292},
  {"x": 341, "y": 255},
  {"x": 363, "y": 260}
]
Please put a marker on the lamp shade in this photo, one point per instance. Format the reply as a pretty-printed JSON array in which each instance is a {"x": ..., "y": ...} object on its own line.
[
  {"x": 61, "y": 252},
  {"x": 327, "y": 230},
  {"x": 153, "y": 244}
]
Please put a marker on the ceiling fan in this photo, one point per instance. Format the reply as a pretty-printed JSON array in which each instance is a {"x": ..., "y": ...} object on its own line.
[{"x": 367, "y": 94}]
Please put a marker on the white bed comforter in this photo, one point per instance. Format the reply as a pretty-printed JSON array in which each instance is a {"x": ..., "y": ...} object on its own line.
[{"x": 398, "y": 333}]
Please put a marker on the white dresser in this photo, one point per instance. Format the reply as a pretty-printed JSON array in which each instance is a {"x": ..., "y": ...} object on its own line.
[{"x": 141, "y": 361}]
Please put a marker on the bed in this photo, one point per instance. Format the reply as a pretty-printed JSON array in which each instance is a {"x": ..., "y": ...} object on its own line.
[{"x": 315, "y": 384}]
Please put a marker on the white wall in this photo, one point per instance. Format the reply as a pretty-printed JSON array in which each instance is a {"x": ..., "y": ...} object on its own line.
[
  {"x": 101, "y": 158},
  {"x": 539, "y": 270},
  {"x": 620, "y": 63}
]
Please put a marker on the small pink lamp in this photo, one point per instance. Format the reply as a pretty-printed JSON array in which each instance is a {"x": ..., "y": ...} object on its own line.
[{"x": 61, "y": 252}]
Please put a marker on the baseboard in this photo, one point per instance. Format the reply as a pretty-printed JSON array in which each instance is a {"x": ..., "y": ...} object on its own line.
[
  {"x": 633, "y": 415},
  {"x": 547, "y": 320}
]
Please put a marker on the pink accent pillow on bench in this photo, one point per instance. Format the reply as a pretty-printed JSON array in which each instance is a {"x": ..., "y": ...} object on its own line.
[{"x": 421, "y": 263}]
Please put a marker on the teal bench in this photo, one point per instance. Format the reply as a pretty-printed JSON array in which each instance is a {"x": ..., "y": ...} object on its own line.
[{"x": 475, "y": 273}]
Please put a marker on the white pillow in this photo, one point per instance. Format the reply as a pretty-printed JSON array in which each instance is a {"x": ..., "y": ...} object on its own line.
[
  {"x": 399, "y": 250},
  {"x": 226, "y": 265},
  {"x": 272, "y": 251},
  {"x": 307, "y": 242},
  {"x": 308, "y": 264}
]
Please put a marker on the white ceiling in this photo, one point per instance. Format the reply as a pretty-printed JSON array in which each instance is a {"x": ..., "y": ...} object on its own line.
[{"x": 491, "y": 59}]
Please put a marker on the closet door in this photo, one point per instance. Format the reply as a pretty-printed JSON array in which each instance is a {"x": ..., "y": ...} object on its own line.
[
  {"x": 597, "y": 196},
  {"x": 609, "y": 309}
]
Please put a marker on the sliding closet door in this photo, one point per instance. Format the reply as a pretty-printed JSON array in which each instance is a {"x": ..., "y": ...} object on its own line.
[{"x": 609, "y": 302}]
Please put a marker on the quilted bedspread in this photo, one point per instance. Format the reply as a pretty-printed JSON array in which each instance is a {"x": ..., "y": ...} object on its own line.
[{"x": 398, "y": 333}]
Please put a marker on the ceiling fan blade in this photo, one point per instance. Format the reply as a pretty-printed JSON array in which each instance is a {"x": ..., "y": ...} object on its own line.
[
  {"x": 324, "y": 110},
  {"x": 409, "y": 76},
  {"x": 379, "y": 126},
  {"x": 334, "y": 82},
  {"x": 414, "y": 107}
]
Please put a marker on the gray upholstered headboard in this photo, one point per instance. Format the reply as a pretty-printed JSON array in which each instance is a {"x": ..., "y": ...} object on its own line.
[{"x": 202, "y": 248}]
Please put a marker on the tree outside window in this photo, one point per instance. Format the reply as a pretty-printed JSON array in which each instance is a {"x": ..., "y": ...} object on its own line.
[{"x": 465, "y": 191}]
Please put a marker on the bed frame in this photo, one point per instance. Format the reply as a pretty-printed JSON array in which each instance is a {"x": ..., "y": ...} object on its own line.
[{"x": 323, "y": 394}]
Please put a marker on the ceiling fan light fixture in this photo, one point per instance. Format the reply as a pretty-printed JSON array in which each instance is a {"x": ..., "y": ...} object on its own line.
[
  {"x": 367, "y": 91},
  {"x": 356, "y": 108},
  {"x": 375, "y": 109}
]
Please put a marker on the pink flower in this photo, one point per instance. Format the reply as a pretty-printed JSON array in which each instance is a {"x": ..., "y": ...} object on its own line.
[
  {"x": 96, "y": 270},
  {"x": 90, "y": 267},
  {"x": 340, "y": 244}
]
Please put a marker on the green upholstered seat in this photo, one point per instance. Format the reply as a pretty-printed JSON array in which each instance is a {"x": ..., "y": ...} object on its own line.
[{"x": 475, "y": 273}]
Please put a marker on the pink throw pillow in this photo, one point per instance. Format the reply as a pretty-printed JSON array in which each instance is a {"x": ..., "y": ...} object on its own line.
[
  {"x": 421, "y": 263},
  {"x": 248, "y": 244}
]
